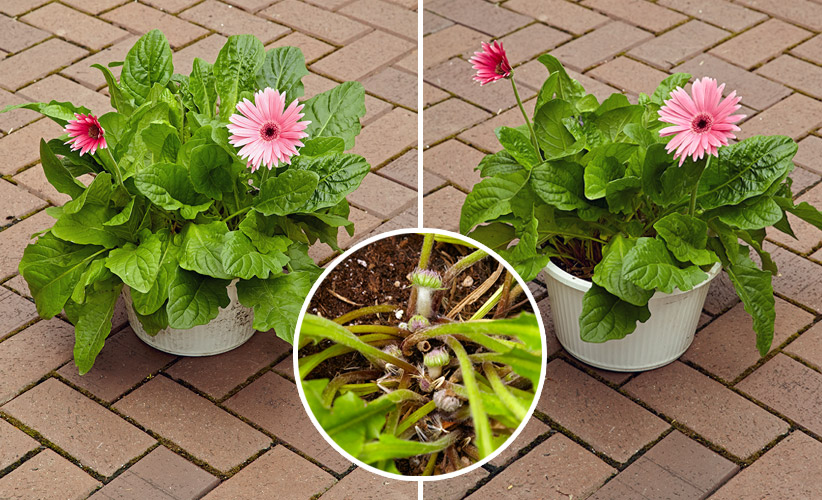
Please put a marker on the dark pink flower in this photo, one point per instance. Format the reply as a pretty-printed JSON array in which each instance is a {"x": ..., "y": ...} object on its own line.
[
  {"x": 85, "y": 134},
  {"x": 491, "y": 63}
]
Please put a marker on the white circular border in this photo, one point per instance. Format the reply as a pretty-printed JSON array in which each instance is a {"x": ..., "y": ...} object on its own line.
[{"x": 333, "y": 443}]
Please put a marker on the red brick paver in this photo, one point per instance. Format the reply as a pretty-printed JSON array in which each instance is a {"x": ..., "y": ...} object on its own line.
[{"x": 45, "y": 474}]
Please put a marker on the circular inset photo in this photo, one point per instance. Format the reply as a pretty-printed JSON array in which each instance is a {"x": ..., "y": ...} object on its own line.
[{"x": 419, "y": 354}]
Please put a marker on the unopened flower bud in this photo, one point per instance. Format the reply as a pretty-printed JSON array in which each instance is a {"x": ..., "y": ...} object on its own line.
[
  {"x": 447, "y": 401},
  {"x": 418, "y": 322},
  {"x": 435, "y": 360},
  {"x": 426, "y": 278}
]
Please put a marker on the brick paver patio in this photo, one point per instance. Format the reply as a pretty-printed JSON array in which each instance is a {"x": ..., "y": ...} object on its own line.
[
  {"x": 720, "y": 421},
  {"x": 143, "y": 424}
]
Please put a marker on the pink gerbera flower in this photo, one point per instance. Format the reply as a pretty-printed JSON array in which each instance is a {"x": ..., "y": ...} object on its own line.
[
  {"x": 701, "y": 124},
  {"x": 85, "y": 134},
  {"x": 267, "y": 131},
  {"x": 491, "y": 63}
]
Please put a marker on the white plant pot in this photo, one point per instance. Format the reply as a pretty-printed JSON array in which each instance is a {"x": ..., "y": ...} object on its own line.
[
  {"x": 230, "y": 329},
  {"x": 657, "y": 342}
]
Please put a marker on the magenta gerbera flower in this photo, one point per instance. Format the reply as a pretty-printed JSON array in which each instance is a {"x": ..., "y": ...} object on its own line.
[
  {"x": 85, "y": 134},
  {"x": 267, "y": 132},
  {"x": 491, "y": 63},
  {"x": 700, "y": 123}
]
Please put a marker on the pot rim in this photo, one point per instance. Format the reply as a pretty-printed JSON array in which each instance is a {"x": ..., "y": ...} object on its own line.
[{"x": 584, "y": 285}]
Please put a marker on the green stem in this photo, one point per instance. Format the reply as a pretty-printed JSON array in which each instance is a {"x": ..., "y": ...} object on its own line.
[
  {"x": 692, "y": 209},
  {"x": 390, "y": 330},
  {"x": 108, "y": 161},
  {"x": 502, "y": 392},
  {"x": 308, "y": 363},
  {"x": 238, "y": 212},
  {"x": 432, "y": 462},
  {"x": 463, "y": 264},
  {"x": 415, "y": 417},
  {"x": 482, "y": 427},
  {"x": 365, "y": 311},
  {"x": 525, "y": 116},
  {"x": 489, "y": 304},
  {"x": 425, "y": 254}
]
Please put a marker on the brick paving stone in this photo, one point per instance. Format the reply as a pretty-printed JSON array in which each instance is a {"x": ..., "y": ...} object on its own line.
[
  {"x": 122, "y": 364},
  {"x": 34, "y": 180},
  {"x": 552, "y": 344},
  {"x": 449, "y": 42},
  {"x": 721, "y": 295},
  {"x": 15, "y": 239},
  {"x": 795, "y": 73},
  {"x": 708, "y": 408},
  {"x": 374, "y": 108},
  {"x": 250, "y": 5},
  {"x": 644, "y": 14},
  {"x": 311, "y": 48},
  {"x": 387, "y": 137},
  {"x": 756, "y": 92},
  {"x": 228, "y": 20},
  {"x": 363, "y": 223},
  {"x": 794, "y": 117},
  {"x": 533, "y": 430},
  {"x": 234, "y": 367},
  {"x": 82, "y": 71},
  {"x": 365, "y": 55},
  {"x": 94, "y": 7},
  {"x": 564, "y": 15},
  {"x": 727, "y": 347},
  {"x": 321, "y": 23},
  {"x": 160, "y": 475},
  {"x": 141, "y": 19},
  {"x": 444, "y": 119},
  {"x": 809, "y": 236},
  {"x": 85, "y": 430},
  {"x": 273, "y": 403},
  {"x": 529, "y": 42},
  {"x": 53, "y": 54},
  {"x": 799, "y": 279},
  {"x": 315, "y": 84},
  {"x": 454, "y": 488},
  {"x": 18, "y": 202},
  {"x": 62, "y": 89},
  {"x": 15, "y": 312},
  {"x": 431, "y": 23},
  {"x": 432, "y": 182},
  {"x": 801, "y": 12},
  {"x": 172, "y": 6},
  {"x": 17, "y": 7},
  {"x": 382, "y": 197},
  {"x": 680, "y": 43},
  {"x": 790, "y": 470},
  {"x": 809, "y": 154},
  {"x": 193, "y": 423},
  {"x": 441, "y": 209},
  {"x": 808, "y": 346},
  {"x": 280, "y": 473},
  {"x": 455, "y": 161},
  {"x": 479, "y": 15},
  {"x": 790, "y": 388},
  {"x": 408, "y": 63},
  {"x": 616, "y": 378},
  {"x": 74, "y": 26},
  {"x": 16, "y": 444},
  {"x": 206, "y": 49},
  {"x": 387, "y": 16},
  {"x": 16, "y": 36},
  {"x": 403, "y": 170},
  {"x": 364, "y": 485},
  {"x": 628, "y": 75},
  {"x": 676, "y": 467},
  {"x": 721, "y": 13},
  {"x": 17, "y": 118},
  {"x": 600, "y": 45},
  {"x": 47, "y": 475},
  {"x": 454, "y": 76},
  {"x": 557, "y": 468},
  {"x": 760, "y": 43},
  {"x": 482, "y": 135},
  {"x": 803, "y": 179},
  {"x": 394, "y": 85},
  {"x": 810, "y": 50},
  {"x": 285, "y": 368},
  {"x": 613, "y": 425}
]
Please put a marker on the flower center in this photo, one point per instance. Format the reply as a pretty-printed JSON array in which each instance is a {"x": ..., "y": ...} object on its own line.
[
  {"x": 498, "y": 70},
  {"x": 702, "y": 123},
  {"x": 94, "y": 131},
  {"x": 270, "y": 131}
]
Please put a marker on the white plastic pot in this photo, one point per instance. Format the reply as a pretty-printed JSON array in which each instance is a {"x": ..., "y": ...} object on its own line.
[
  {"x": 230, "y": 329},
  {"x": 657, "y": 342}
]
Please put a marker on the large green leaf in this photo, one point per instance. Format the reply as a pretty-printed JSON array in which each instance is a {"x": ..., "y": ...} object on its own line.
[
  {"x": 202, "y": 249},
  {"x": 491, "y": 198},
  {"x": 168, "y": 186},
  {"x": 97, "y": 193},
  {"x": 130, "y": 220},
  {"x": 86, "y": 227},
  {"x": 235, "y": 70},
  {"x": 598, "y": 173},
  {"x": 621, "y": 194},
  {"x": 276, "y": 301},
  {"x": 243, "y": 260},
  {"x": 612, "y": 122},
  {"x": 57, "y": 174},
  {"x": 668, "y": 85},
  {"x": 150, "y": 302},
  {"x": 194, "y": 299},
  {"x": 754, "y": 213},
  {"x": 551, "y": 133},
  {"x": 339, "y": 175},
  {"x": 138, "y": 265},
  {"x": 567, "y": 88},
  {"x": 657, "y": 162},
  {"x": 649, "y": 265},
  {"x": 94, "y": 323},
  {"x": 60, "y": 112},
  {"x": 607, "y": 317},
  {"x": 336, "y": 112},
  {"x": 519, "y": 146},
  {"x": 261, "y": 231},
  {"x": 147, "y": 63},
  {"x": 209, "y": 170},
  {"x": 686, "y": 238},
  {"x": 119, "y": 100},
  {"x": 287, "y": 193},
  {"x": 203, "y": 87},
  {"x": 560, "y": 184},
  {"x": 498, "y": 163},
  {"x": 609, "y": 272},
  {"x": 283, "y": 70}
]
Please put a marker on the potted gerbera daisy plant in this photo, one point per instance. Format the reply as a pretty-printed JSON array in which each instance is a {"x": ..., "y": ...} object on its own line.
[
  {"x": 632, "y": 209},
  {"x": 207, "y": 191}
]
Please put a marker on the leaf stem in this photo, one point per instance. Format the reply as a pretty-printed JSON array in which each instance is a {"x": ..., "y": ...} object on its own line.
[
  {"x": 502, "y": 392},
  {"x": 463, "y": 264},
  {"x": 482, "y": 427},
  {"x": 365, "y": 311},
  {"x": 692, "y": 208},
  {"x": 425, "y": 253},
  {"x": 525, "y": 116},
  {"x": 415, "y": 417},
  {"x": 108, "y": 161},
  {"x": 238, "y": 212}
]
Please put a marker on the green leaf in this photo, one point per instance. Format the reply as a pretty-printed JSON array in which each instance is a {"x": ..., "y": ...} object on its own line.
[
  {"x": 138, "y": 265},
  {"x": 754, "y": 213},
  {"x": 607, "y": 317},
  {"x": 260, "y": 230},
  {"x": 168, "y": 186},
  {"x": 649, "y": 265},
  {"x": 640, "y": 135},
  {"x": 612, "y": 122},
  {"x": 551, "y": 133},
  {"x": 203, "y": 87},
  {"x": 154, "y": 322},
  {"x": 131, "y": 219},
  {"x": 276, "y": 301},
  {"x": 560, "y": 184},
  {"x": 235, "y": 70},
  {"x": 657, "y": 161},
  {"x": 209, "y": 170},
  {"x": 806, "y": 212},
  {"x": 621, "y": 194},
  {"x": 491, "y": 198},
  {"x": 668, "y": 85},
  {"x": 287, "y": 193},
  {"x": 96, "y": 271},
  {"x": 498, "y": 163},
  {"x": 610, "y": 275},
  {"x": 148, "y": 303},
  {"x": 60, "y": 112},
  {"x": 202, "y": 249},
  {"x": 155, "y": 135},
  {"x": 336, "y": 112},
  {"x": 567, "y": 88},
  {"x": 283, "y": 70},
  {"x": 52, "y": 268},
  {"x": 241, "y": 259},
  {"x": 320, "y": 146},
  {"x": 194, "y": 299},
  {"x": 598, "y": 173},
  {"x": 86, "y": 227},
  {"x": 547, "y": 91},
  {"x": 147, "y": 63},
  {"x": 57, "y": 174},
  {"x": 119, "y": 100},
  {"x": 97, "y": 193},
  {"x": 340, "y": 175},
  {"x": 94, "y": 325},
  {"x": 519, "y": 146},
  {"x": 686, "y": 238}
]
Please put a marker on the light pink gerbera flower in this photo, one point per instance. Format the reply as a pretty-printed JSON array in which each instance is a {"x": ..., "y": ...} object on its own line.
[
  {"x": 491, "y": 63},
  {"x": 85, "y": 134},
  {"x": 267, "y": 132},
  {"x": 702, "y": 123}
]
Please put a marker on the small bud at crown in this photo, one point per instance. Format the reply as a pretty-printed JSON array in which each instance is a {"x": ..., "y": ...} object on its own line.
[
  {"x": 418, "y": 322},
  {"x": 426, "y": 278},
  {"x": 446, "y": 401},
  {"x": 437, "y": 357}
]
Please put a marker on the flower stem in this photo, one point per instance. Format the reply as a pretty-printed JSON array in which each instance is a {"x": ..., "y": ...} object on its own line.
[
  {"x": 692, "y": 208},
  {"x": 108, "y": 161},
  {"x": 525, "y": 116},
  {"x": 238, "y": 212},
  {"x": 425, "y": 253}
]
